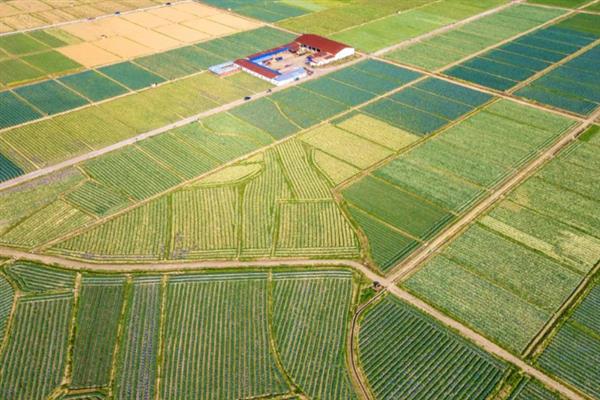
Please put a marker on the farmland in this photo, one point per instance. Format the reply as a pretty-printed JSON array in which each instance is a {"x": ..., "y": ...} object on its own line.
[
  {"x": 522, "y": 259},
  {"x": 208, "y": 200},
  {"x": 572, "y": 351},
  {"x": 211, "y": 302},
  {"x": 458, "y": 369}
]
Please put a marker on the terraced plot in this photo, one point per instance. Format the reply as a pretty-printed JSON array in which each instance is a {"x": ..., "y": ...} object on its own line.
[{"x": 406, "y": 354}]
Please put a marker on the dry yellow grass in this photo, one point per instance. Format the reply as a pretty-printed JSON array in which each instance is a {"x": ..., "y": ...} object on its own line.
[
  {"x": 122, "y": 47},
  {"x": 146, "y": 19},
  {"x": 29, "y": 6},
  {"x": 171, "y": 14},
  {"x": 182, "y": 33},
  {"x": 209, "y": 27},
  {"x": 89, "y": 55},
  {"x": 6, "y": 10}
]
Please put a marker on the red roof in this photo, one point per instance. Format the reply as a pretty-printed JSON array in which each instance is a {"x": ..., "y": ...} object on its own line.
[
  {"x": 321, "y": 43},
  {"x": 256, "y": 68}
]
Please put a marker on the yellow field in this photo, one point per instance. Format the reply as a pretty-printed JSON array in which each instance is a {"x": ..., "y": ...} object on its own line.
[{"x": 144, "y": 32}]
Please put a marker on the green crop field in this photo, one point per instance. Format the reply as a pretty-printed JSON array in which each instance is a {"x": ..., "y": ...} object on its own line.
[
  {"x": 573, "y": 350},
  {"x": 98, "y": 315},
  {"x": 397, "y": 344},
  {"x": 417, "y": 216}
]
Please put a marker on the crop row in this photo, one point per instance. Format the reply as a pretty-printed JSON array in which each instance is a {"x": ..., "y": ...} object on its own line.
[
  {"x": 442, "y": 49},
  {"x": 544, "y": 238},
  {"x": 572, "y": 353},
  {"x": 98, "y": 315},
  {"x": 310, "y": 318},
  {"x": 407, "y": 355},
  {"x": 33, "y": 364},
  {"x": 37, "y": 278}
]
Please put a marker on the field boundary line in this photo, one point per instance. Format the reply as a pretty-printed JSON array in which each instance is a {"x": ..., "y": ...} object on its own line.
[
  {"x": 534, "y": 345},
  {"x": 446, "y": 28},
  {"x": 182, "y": 122},
  {"x": 387, "y": 283},
  {"x": 484, "y": 343},
  {"x": 421, "y": 255},
  {"x": 353, "y": 345},
  {"x": 483, "y": 89},
  {"x": 218, "y": 168}
]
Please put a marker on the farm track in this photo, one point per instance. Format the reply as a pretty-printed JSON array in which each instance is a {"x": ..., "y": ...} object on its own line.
[{"x": 388, "y": 283}]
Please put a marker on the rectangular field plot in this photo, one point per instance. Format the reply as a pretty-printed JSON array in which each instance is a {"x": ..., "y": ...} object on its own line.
[
  {"x": 137, "y": 362},
  {"x": 51, "y": 97},
  {"x": 131, "y": 75},
  {"x": 15, "y": 71},
  {"x": 572, "y": 353},
  {"x": 442, "y": 49},
  {"x": 345, "y": 146},
  {"x": 389, "y": 203},
  {"x": 310, "y": 314},
  {"x": 34, "y": 364},
  {"x": 140, "y": 234},
  {"x": 304, "y": 108},
  {"x": 15, "y": 111},
  {"x": 205, "y": 223},
  {"x": 374, "y": 76},
  {"x": 265, "y": 115},
  {"x": 396, "y": 343},
  {"x": 131, "y": 171},
  {"x": 553, "y": 238},
  {"x": 387, "y": 246},
  {"x": 428, "y": 106},
  {"x": 235, "y": 305},
  {"x": 572, "y": 86},
  {"x": 401, "y": 26},
  {"x": 98, "y": 315},
  {"x": 376, "y": 131},
  {"x": 507, "y": 65},
  {"x": 93, "y": 85},
  {"x": 314, "y": 228},
  {"x": 97, "y": 199},
  {"x": 51, "y": 62},
  {"x": 497, "y": 313}
]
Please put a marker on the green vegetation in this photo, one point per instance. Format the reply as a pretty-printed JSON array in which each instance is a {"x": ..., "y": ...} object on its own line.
[
  {"x": 234, "y": 308},
  {"x": 397, "y": 344},
  {"x": 7, "y": 294},
  {"x": 33, "y": 365},
  {"x": 529, "y": 389},
  {"x": 573, "y": 351},
  {"x": 31, "y": 277},
  {"x": 311, "y": 313},
  {"x": 136, "y": 371},
  {"x": 98, "y": 315},
  {"x": 442, "y": 49}
]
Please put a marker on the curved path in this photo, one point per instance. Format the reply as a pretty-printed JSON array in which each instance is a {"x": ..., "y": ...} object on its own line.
[{"x": 387, "y": 283}]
